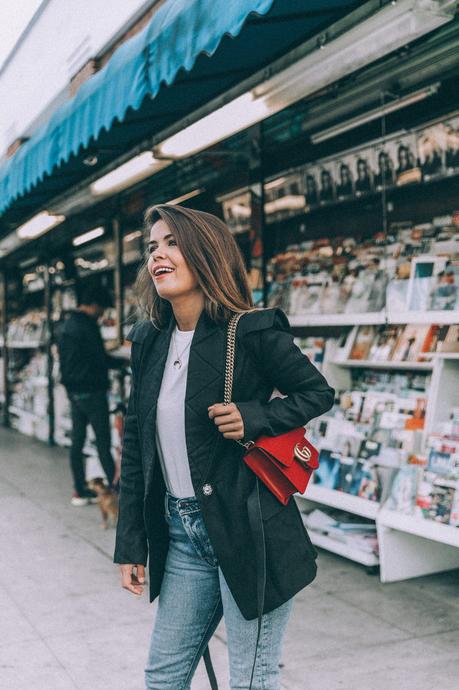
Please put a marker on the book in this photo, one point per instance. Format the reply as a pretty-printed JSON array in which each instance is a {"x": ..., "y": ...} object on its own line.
[
  {"x": 403, "y": 493},
  {"x": 435, "y": 497},
  {"x": 450, "y": 343},
  {"x": 410, "y": 343},
  {"x": 362, "y": 343},
  {"x": 384, "y": 343}
]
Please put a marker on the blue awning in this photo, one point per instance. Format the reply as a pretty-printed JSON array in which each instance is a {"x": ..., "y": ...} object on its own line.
[{"x": 168, "y": 51}]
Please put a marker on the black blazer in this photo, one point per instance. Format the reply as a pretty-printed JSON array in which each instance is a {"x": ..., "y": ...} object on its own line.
[{"x": 266, "y": 357}]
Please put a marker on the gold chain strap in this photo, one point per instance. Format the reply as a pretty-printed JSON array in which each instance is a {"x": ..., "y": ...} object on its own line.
[
  {"x": 230, "y": 353},
  {"x": 229, "y": 369}
]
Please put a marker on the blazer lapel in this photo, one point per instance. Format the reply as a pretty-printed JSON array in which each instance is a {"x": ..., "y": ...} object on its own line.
[{"x": 205, "y": 383}]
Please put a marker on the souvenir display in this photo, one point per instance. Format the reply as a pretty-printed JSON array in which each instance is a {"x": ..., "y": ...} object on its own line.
[
  {"x": 431, "y": 146},
  {"x": 30, "y": 328},
  {"x": 327, "y": 185},
  {"x": 344, "y": 174},
  {"x": 452, "y": 146},
  {"x": 404, "y": 155},
  {"x": 384, "y": 168},
  {"x": 237, "y": 211},
  {"x": 311, "y": 187},
  {"x": 284, "y": 197},
  {"x": 364, "y": 172},
  {"x": 414, "y": 268}
]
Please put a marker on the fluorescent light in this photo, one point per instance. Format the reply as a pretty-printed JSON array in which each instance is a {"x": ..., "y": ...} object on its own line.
[
  {"x": 397, "y": 104},
  {"x": 241, "y": 211},
  {"x": 185, "y": 197},
  {"x": 388, "y": 29},
  {"x": 134, "y": 170},
  {"x": 275, "y": 183},
  {"x": 92, "y": 265},
  {"x": 133, "y": 235},
  {"x": 38, "y": 225},
  {"x": 28, "y": 262},
  {"x": 229, "y": 119},
  {"x": 88, "y": 236},
  {"x": 286, "y": 203}
]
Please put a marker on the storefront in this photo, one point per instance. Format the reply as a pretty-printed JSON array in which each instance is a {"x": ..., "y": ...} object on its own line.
[{"x": 345, "y": 205}]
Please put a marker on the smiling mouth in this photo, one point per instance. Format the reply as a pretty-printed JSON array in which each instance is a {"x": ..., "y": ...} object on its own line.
[{"x": 163, "y": 272}]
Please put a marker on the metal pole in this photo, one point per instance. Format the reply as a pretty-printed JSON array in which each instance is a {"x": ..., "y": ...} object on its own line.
[
  {"x": 257, "y": 180},
  {"x": 262, "y": 215},
  {"x": 119, "y": 293},
  {"x": 118, "y": 279},
  {"x": 4, "y": 330},
  {"x": 49, "y": 355}
]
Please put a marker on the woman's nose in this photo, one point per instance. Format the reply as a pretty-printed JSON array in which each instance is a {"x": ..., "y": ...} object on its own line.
[{"x": 159, "y": 254}]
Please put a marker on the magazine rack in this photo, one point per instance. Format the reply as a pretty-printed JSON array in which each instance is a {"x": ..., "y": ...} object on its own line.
[{"x": 409, "y": 546}]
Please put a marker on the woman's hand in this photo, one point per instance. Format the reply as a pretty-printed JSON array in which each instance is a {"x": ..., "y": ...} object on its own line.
[
  {"x": 132, "y": 581},
  {"x": 228, "y": 420}
]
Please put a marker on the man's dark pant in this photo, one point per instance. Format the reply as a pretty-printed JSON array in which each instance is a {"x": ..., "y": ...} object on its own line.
[{"x": 90, "y": 408}]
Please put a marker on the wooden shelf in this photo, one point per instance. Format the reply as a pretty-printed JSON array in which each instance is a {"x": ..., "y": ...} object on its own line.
[{"x": 342, "y": 500}]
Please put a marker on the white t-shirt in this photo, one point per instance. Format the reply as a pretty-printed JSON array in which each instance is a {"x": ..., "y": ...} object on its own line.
[{"x": 170, "y": 418}]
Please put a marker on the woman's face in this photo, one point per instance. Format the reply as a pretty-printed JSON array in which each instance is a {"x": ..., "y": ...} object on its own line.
[{"x": 177, "y": 280}]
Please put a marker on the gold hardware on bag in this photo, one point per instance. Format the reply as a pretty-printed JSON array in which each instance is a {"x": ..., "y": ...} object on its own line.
[{"x": 302, "y": 454}]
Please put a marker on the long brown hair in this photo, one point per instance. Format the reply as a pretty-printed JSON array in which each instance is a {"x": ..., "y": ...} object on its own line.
[{"x": 211, "y": 252}]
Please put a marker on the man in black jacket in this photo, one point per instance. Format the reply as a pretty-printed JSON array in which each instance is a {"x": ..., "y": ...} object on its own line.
[{"x": 84, "y": 373}]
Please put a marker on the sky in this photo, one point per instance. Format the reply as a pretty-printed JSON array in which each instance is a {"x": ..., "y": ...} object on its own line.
[{"x": 14, "y": 17}]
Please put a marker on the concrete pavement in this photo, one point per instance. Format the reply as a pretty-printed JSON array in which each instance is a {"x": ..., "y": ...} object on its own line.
[{"x": 66, "y": 623}]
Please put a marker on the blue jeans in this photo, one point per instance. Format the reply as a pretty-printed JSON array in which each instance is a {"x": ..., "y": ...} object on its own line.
[{"x": 193, "y": 598}]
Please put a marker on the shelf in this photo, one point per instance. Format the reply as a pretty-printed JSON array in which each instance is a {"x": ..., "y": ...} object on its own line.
[
  {"x": 18, "y": 345},
  {"x": 420, "y": 527},
  {"x": 368, "y": 363},
  {"x": 324, "y": 542},
  {"x": 445, "y": 355},
  {"x": 39, "y": 380},
  {"x": 443, "y": 316},
  {"x": 342, "y": 500},
  {"x": 25, "y": 413},
  {"x": 365, "y": 319},
  {"x": 123, "y": 352},
  {"x": 374, "y": 318}
]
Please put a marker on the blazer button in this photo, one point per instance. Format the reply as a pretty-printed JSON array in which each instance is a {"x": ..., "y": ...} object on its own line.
[{"x": 207, "y": 490}]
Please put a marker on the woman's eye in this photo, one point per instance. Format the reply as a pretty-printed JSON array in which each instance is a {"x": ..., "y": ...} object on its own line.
[{"x": 153, "y": 248}]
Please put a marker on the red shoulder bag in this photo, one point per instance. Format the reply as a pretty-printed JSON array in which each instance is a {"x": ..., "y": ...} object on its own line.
[{"x": 283, "y": 463}]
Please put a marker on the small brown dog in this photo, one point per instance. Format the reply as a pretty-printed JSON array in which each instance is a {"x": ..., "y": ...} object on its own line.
[{"x": 108, "y": 501}]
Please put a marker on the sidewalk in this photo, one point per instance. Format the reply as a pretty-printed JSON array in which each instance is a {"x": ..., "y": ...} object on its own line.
[{"x": 66, "y": 623}]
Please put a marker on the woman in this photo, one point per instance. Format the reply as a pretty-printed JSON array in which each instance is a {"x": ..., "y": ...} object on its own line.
[{"x": 184, "y": 486}]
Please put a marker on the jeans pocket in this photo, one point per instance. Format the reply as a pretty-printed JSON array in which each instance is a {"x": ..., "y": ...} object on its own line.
[{"x": 197, "y": 534}]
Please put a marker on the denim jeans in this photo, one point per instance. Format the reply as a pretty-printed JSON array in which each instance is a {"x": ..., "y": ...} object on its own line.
[
  {"x": 90, "y": 408},
  {"x": 193, "y": 598}
]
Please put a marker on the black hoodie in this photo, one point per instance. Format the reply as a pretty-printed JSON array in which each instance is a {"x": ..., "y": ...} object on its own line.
[{"x": 83, "y": 359}]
